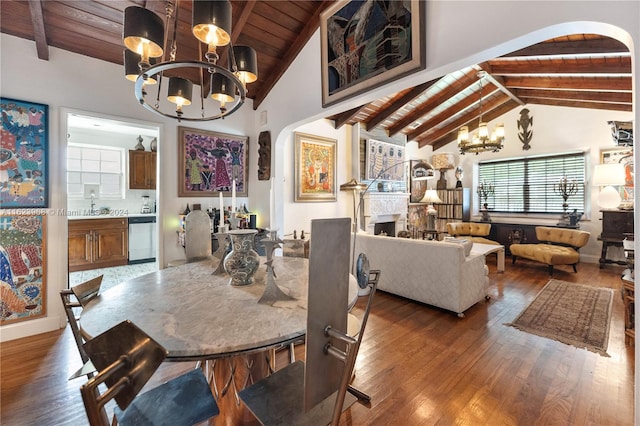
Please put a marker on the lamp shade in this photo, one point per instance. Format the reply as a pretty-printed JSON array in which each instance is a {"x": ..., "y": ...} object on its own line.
[
  {"x": 143, "y": 32},
  {"x": 211, "y": 22},
  {"x": 179, "y": 91},
  {"x": 443, "y": 161},
  {"x": 222, "y": 88},
  {"x": 132, "y": 69},
  {"x": 608, "y": 174},
  {"x": 431, "y": 196},
  {"x": 247, "y": 63}
]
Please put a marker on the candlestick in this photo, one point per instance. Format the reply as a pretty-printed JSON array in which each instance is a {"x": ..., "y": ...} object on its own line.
[
  {"x": 233, "y": 197},
  {"x": 221, "y": 222}
]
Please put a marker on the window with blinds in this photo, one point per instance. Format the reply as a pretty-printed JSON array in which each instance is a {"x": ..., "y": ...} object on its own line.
[{"x": 528, "y": 185}]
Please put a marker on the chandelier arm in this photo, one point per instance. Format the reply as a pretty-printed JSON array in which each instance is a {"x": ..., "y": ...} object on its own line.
[
  {"x": 164, "y": 66},
  {"x": 202, "y": 95},
  {"x": 233, "y": 66}
]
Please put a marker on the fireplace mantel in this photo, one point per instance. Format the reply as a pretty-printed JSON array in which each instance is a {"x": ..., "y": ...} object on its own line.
[{"x": 384, "y": 207}]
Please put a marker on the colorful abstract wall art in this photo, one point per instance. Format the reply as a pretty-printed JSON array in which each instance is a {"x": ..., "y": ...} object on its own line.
[{"x": 22, "y": 267}]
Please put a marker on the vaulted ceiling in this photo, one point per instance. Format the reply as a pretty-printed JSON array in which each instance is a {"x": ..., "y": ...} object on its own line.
[{"x": 581, "y": 71}]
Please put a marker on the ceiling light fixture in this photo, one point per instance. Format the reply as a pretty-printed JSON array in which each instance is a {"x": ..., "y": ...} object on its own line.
[
  {"x": 150, "y": 60},
  {"x": 481, "y": 142}
]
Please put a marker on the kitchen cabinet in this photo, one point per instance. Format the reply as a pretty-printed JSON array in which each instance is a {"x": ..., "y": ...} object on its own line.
[
  {"x": 98, "y": 243},
  {"x": 142, "y": 169}
]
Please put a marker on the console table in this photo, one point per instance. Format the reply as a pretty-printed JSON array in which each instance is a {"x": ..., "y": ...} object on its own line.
[{"x": 615, "y": 223}]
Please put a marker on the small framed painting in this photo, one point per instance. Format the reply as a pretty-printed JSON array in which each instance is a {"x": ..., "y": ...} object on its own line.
[
  {"x": 315, "y": 168},
  {"x": 365, "y": 44},
  {"x": 384, "y": 161},
  {"x": 22, "y": 267},
  {"x": 209, "y": 163},
  {"x": 24, "y": 147},
  {"x": 624, "y": 156}
]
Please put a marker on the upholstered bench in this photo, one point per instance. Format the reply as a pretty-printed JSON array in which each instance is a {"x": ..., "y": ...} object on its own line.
[
  {"x": 558, "y": 246},
  {"x": 475, "y": 232}
]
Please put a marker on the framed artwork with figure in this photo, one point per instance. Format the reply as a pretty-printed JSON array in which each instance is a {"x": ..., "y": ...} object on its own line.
[
  {"x": 365, "y": 44},
  {"x": 384, "y": 161},
  {"x": 24, "y": 160},
  {"x": 315, "y": 168},
  {"x": 623, "y": 156},
  {"x": 209, "y": 163}
]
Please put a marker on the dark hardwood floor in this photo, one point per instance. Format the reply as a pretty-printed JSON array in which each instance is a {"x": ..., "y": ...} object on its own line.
[{"x": 421, "y": 365}]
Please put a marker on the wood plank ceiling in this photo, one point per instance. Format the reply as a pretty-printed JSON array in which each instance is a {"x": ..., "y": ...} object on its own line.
[{"x": 581, "y": 71}]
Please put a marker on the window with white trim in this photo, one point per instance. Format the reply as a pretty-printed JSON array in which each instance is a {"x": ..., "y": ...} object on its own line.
[
  {"x": 92, "y": 164},
  {"x": 526, "y": 185}
]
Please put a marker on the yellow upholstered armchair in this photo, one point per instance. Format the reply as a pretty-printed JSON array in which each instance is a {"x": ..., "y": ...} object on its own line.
[
  {"x": 558, "y": 246},
  {"x": 475, "y": 232}
]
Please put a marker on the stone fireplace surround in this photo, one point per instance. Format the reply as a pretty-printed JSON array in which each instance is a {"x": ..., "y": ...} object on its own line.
[{"x": 380, "y": 207}]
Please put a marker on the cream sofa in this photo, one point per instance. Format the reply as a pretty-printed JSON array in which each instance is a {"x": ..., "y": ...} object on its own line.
[{"x": 432, "y": 272}]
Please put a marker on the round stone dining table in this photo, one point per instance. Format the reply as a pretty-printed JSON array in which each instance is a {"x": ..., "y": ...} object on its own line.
[{"x": 197, "y": 315}]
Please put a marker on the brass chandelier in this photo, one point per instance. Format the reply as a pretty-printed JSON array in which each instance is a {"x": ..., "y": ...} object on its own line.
[
  {"x": 481, "y": 142},
  {"x": 164, "y": 85}
]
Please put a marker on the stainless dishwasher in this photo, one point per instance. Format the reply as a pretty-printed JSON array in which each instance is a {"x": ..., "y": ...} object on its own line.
[{"x": 142, "y": 239}]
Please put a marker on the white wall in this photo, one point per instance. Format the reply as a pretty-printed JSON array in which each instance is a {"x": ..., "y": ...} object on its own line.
[{"x": 69, "y": 82}]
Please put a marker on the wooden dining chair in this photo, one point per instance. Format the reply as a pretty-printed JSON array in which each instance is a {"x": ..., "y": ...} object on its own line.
[
  {"x": 290, "y": 395},
  {"x": 126, "y": 357},
  {"x": 74, "y": 298}
]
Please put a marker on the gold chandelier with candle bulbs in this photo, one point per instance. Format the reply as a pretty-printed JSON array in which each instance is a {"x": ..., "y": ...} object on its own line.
[
  {"x": 480, "y": 142},
  {"x": 166, "y": 86}
]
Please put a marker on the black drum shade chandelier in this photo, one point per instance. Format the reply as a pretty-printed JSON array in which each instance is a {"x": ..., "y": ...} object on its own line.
[{"x": 165, "y": 85}]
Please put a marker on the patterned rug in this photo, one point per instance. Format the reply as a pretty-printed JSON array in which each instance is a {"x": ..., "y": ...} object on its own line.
[{"x": 570, "y": 313}]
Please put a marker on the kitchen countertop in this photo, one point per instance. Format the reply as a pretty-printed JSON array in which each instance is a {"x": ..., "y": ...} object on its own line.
[{"x": 113, "y": 215}]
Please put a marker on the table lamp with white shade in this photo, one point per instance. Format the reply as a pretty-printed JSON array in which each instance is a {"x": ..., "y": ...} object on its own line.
[
  {"x": 430, "y": 197},
  {"x": 608, "y": 176}
]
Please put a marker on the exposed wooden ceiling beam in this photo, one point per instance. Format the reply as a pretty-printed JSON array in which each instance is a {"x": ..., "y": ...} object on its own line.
[
  {"x": 578, "y": 83},
  {"x": 573, "y": 95},
  {"x": 340, "y": 119},
  {"x": 396, "y": 104},
  {"x": 452, "y": 111},
  {"x": 471, "y": 119},
  {"x": 580, "y": 66},
  {"x": 40, "y": 35},
  {"x": 290, "y": 55},
  {"x": 453, "y": 135},
  {"x": 578, "y": 104},
  {"x": 237, "y": 28},
  {"x": 604, "y": 45},
  {"x": 465, "y": 81},
  {"x": 499, "y": 82}
]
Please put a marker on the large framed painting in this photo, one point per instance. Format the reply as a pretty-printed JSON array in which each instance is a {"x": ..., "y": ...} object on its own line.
[
  {"x": 209, "y": 163},
  {"x": 623, "y": 155},
  {"x": 315, "y": 168},
  {"x": 365, "y": 44},
  {"x": 22, "y": 267},
  {"x": 24, "y": 146},
  {"x": 384, "y": 161}
]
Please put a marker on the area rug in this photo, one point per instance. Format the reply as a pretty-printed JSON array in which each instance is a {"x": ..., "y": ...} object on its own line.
[{"x": 570, "y": 313}]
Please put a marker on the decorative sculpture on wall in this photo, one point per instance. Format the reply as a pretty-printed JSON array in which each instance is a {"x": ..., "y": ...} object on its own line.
[
  {"x": 524, "y": 124},
  {"x": 264, "y": 161},
  {"x": 622, "y": 132}
]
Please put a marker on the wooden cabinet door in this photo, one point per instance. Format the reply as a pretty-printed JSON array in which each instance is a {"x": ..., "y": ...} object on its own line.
[
  {"x": 137, "y": 170},
  {"x": 142, "y": 170},
  {"x": 151, "y": 170},
  {"x": 111, "y": 247},
  {"x": 80, "y": 250}
]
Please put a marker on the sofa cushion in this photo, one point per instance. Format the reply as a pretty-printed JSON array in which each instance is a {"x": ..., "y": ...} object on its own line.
[
  {"x": 468, "y": 228},
  {"x": 572, "y": 237},
  {"x": 546, "y": 253}
]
